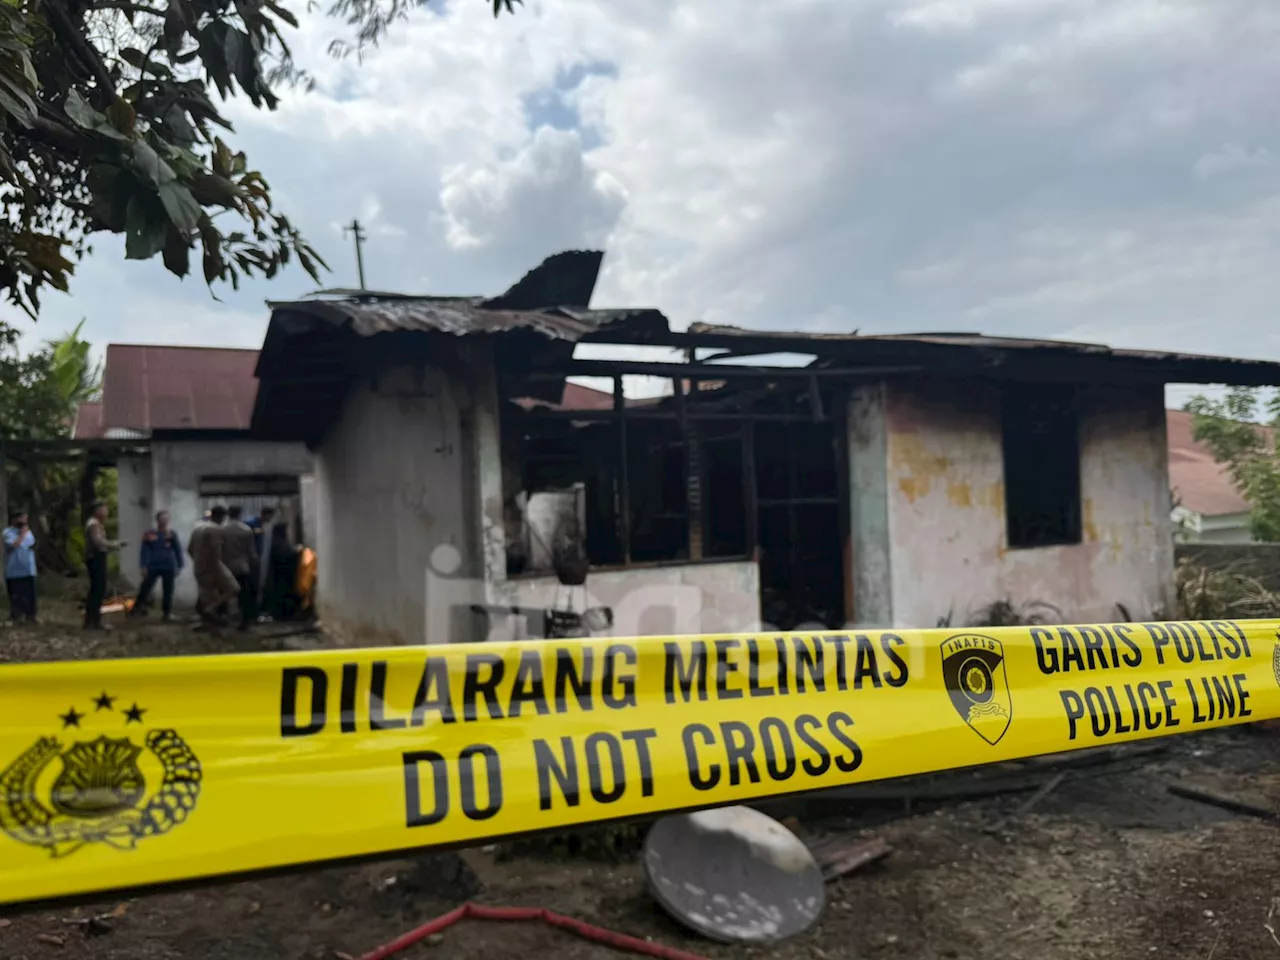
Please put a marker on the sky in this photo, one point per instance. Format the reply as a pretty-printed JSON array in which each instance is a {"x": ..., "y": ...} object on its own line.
[{"x": 1084, "y": 169}]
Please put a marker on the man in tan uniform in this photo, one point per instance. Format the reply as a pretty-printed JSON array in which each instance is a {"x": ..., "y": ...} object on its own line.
[
  {"x": 214, "y": 581},
  {"x": 241, "y": 558}
]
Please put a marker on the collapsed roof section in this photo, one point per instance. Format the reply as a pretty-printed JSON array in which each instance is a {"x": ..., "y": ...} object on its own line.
[
  {"x": 967, "y": 355},
  {"x": 315, "y": 348}
]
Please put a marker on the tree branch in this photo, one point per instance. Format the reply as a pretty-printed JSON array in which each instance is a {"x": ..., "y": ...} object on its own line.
[
  {"x": 73, "y": 36},
  {"x": 125, "y": 7},
  {"x": 53, "y": 134}
]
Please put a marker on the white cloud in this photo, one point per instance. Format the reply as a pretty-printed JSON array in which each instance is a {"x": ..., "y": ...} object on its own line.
[
  {"x": 548, "y": 183},
  {"x": 1033, "y": 167},
  {"x": 1231, "y": 158}
]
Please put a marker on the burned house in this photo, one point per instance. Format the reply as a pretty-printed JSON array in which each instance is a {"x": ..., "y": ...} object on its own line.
[{"x": 868, "y": 479}]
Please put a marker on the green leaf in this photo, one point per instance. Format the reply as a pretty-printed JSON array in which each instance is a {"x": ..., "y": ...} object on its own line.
[
  {"x": 212, "y": 242},
  {"x": 133, "y": 56},
  {"x": 308, "y": 265},
  {"x": 121, "y": 116},
  {"x": 19, "y": 90},
  {"x": 212, "y": 52},
  {"x": 175, "y": 29},
  {"x": 110, "y": 198},
  {"x": 29, "y": 70},
  {"x": 182, "y": 208},
  {"x": 242, "y": 58},
  {"x": 15, "y": 108},
  {"x": 221, "y": 158},
  {"x": 79, "y": 112},
  {"x": 175, "y": 120},
  {"x": 177, "y": 253},
  {"x": 213, "y": 266},
  {"x": 144, "y": 232},
  {"x": 149, "y": 163},
  {"x": 211, "y": 189},
  {"x": 84, "y": 116}
]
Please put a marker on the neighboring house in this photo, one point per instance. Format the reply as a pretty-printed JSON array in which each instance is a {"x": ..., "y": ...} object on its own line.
[
  {"x": 191, "y": 406},
  {"x": 1207, "y": 506},
  {"x": 894, "y": 480}
]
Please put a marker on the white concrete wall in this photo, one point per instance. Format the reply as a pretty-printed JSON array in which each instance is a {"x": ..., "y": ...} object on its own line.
[
  {"x": 869, "y": 506},
  {"x": 134, "y": 499},
  {"x": 945, "y": 499},
  {"x": 307, "y": 497},
  {"x": 392, "y": 480},
  {"x": 178, "y": 465},
  {"x": 707, "y": 597}
]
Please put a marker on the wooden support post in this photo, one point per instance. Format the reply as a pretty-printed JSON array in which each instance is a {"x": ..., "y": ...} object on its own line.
[
  {"x": 815, "y": 400},
  {"x": 749, "y": 488},
  {"x": 88, "y": 478},
  {"x": 794, "y": 572},
  {"x": 692, "y": 473},
  {"x": 624, "y": 478}
]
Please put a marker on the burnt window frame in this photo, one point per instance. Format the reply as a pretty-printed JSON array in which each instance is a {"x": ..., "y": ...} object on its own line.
[{"x": 1040, "y": 427}]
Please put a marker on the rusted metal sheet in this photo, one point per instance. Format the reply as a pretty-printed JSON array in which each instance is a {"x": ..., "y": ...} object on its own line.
[
  {"x": 973, "y": 353},
  {"x": 88, "y": 425},
  {"x": 368, "y": 316},
  {"x": 574, "y": 397},
  {"x": 149, "y": 388}
]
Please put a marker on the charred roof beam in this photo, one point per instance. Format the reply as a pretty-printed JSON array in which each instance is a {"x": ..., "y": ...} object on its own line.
[{"x": 709, "y": 371}]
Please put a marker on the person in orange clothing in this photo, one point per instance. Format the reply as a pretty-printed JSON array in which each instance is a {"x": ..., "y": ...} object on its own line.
[{"x": 305, "y": 583}]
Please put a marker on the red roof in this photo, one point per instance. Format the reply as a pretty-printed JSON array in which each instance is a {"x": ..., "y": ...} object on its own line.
[
  {"x": 578, "y": 397},
  {"x": 149, "y": 388},
  {"x": 575, "y": 397},
  {"x": 88, "y": 425},
  {"x": 1199, "y": 482}
]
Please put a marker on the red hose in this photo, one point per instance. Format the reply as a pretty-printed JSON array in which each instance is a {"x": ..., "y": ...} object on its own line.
[{"x": 619, "y": 941}]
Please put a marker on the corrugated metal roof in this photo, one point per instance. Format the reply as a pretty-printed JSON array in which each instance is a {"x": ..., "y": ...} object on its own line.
[
  {"x": 88, "y": 425},
  {"x": 460, "y": 316},
  {"x": 551, "y": 299},
  {"x": 974, "y": 353},
  {"x": 972, "y": 340},
  {"x": 149, "y": 388}
]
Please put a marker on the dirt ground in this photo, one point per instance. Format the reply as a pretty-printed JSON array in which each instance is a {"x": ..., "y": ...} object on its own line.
[{"x": 1107, "y": 865}]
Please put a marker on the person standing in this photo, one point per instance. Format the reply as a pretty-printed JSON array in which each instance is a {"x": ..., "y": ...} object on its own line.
[
  {"x": 242, "y": 560},
  {"x": 214, "y": 581},
  {"x": 20, "y": 568},
  {"x": 283, "y": 571},
  {"x": 96, "y": 549},
  {"x": 160, "y": 559},
  {"x": 262, "y": 526}
]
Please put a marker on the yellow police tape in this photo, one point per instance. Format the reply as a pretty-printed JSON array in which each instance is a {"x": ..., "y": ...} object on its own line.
[{"x": 135, "y": 772}]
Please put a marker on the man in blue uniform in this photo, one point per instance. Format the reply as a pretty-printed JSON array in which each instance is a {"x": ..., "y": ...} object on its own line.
[
  {"x": 20, "y": 568},
  {"x": 160, "y": 559}
]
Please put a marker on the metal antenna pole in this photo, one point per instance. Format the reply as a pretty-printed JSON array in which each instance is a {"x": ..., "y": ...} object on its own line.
[{"x": 357, "y": 231}]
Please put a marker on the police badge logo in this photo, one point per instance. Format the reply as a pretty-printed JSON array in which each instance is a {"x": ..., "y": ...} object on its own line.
[
  {"x": 101, "y": 790},
  {"x": 974, "y": 674}
]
